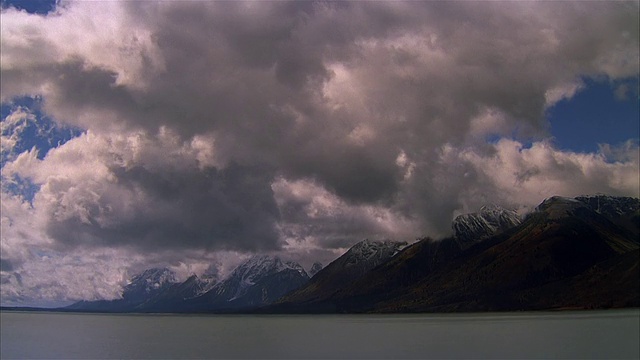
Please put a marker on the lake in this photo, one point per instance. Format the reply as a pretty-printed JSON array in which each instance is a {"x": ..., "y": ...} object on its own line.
[{"x": 586, "y": 334}]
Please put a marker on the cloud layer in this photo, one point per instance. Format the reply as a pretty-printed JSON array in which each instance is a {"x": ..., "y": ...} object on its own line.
[{"x": 297, "y": 127}]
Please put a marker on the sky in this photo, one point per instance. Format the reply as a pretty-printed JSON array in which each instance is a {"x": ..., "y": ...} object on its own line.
[{"x": 193, "y": 134}]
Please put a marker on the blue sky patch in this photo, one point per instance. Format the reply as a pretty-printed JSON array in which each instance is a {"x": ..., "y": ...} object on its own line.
[
  {"x": 25, "y": 127},
  {"x": 31, "y": 6},
  {"x": 22, "y": 187},
  {"x": 601, "y": 113},
  {"x": 39, "y": 130}
]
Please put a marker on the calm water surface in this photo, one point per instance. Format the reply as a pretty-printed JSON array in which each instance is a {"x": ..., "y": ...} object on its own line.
[{"x": 599, "y": 334}]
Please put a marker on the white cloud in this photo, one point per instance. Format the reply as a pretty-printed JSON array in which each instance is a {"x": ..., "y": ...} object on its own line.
[
  {"x": 562, "y": 92},
  {"x": 103, "y": 34},
  {"x": 489, "y": 122},
  {"x": 525, "y": 176},
  {"x": 33, "y": 272}
]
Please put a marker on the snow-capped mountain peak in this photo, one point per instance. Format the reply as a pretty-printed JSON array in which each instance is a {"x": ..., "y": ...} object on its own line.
[
  {"x": 559, "y": 206},
  {"x": 372, "y": 251},
  {"x": 149, "y": 282},
  {"x": 205, "y": 283},
  {"x": 611, "y": 206},
  {"x": 490, "y": 220},
  {"x": 256, "y": 266},
  {"x": 152, "y": 279},
  {"x": 314, "y": 269},
  {"x": 252, "y": 271},
  {"x": 295, "y": 266}
]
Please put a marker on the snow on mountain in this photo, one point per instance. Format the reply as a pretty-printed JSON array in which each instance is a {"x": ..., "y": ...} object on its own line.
[
  {"x": 372, "y": 252},
  {"x": 346, "y": 269},
  {"x": 366, "y": 255},
  {"x": 207, "y": 281},
  {"x": 205, "y": 285},
  {"x": 559, "y": 206},
  {"x": 611, "y": 206},
  {"x": 148, "y": 283},
  {"x": 201, "y": 284},
  {"x": 251, "y": 272},
  {"x": 314, "y": 269},
  {"x": 491, "y": 220},
  {"x": 566, "y": 255},
  {"x": 614, "y": 208},
  {"x": 295, "y": 266},
  {"x": 624, "y": 212}
]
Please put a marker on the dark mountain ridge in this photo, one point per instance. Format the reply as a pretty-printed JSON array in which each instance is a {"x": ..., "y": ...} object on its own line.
[
  {"x": 354, "y": 264},
  {"x": 564, "y": 255}
]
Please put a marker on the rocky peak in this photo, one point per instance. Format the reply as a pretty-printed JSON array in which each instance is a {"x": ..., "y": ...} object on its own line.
[
  {"x": 149, "y": 282},
  {"x": 611, "y": 206},
  {"x": 490, "y": 220},
  {"x": 375, "y": 252},
  {"x": 559, "y": 206},
  {"x": 252, "y": 271},
  {"x": 256, "y": 266},
  {"x": 315, "y": 268},
  {"x": 295, "y": 266},
  {"x": 153, "y": 278}
]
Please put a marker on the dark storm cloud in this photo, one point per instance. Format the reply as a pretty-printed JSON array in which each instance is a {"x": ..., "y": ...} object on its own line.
[{"x": 211, "y": 209}]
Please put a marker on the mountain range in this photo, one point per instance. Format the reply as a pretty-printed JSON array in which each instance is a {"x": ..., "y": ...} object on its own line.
[
  {"x": 258, "y": 281},
  {"x": 565, "y": 254},
  {"x": 570, "y": 253}
]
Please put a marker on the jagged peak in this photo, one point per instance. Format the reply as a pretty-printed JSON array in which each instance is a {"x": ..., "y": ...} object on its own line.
[
  {"x": 490, "y": 220},
  {"x": 559, "y": 206},
  {"x": 315, "y": 268},
  {"x": 155, "y": 274},
  {"x": 262, "y": 264},
  {"x": 613, "y": 206},
  {"x": 148, "y": 282},
  {"x": 609, "y": 206},
  {"x": 491, "y": 207},
  {"x": 253, "y": 270},
  {"x": 367, "y": 250},
  {"x": 192, "y": 277},
  {"x": 295, "y": 266},
  {"x": 557, "y": 199},
  {"x": 366, "y": 243}
]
